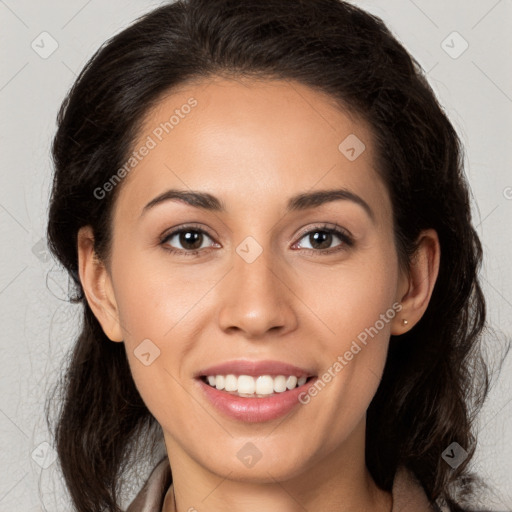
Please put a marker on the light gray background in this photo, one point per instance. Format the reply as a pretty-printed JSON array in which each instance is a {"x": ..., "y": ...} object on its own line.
[{"x": 38, "y": 325}]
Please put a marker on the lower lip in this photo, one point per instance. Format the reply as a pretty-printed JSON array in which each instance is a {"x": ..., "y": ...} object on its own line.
[{"x": 254, "y": 410}]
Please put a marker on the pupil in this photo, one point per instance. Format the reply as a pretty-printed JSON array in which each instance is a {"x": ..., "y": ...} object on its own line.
[
  {"x": 192, "y": 238},
  {"x": 322, "y": 239}
]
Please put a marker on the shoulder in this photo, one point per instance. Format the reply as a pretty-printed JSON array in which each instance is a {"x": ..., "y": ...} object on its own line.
[
  {"x": 151, "y": 497},
  {"x": 408, "y": 494}
]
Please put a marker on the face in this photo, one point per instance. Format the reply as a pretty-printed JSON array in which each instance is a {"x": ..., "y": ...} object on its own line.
[{"x": 254, "y": 275}]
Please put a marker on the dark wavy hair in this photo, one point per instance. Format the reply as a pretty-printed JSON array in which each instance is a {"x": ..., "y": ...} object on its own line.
[{"x": 435, "y": 379}]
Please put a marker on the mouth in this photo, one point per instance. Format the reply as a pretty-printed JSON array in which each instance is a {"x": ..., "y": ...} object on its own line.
[
  {"x": 261, "y": 386},
  {"x": 255, "y": 391}
]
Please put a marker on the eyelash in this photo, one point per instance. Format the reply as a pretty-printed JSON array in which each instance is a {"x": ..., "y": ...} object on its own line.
[{"x": 346, "y": 239}]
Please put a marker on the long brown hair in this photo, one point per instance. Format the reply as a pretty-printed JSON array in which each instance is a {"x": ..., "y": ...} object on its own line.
[{"x": 435, "y": 379}]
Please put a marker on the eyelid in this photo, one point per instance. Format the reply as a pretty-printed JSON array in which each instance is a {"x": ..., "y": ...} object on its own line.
[
  {"x": 177, "y": 229},
  {"x": 325, "y": 226}
]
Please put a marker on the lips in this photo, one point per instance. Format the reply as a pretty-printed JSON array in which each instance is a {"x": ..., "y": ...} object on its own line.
[
  {"x": 257, "y": 407},
  {"x": 254, "y": 410},
  {"x": 255, "y": 369}
]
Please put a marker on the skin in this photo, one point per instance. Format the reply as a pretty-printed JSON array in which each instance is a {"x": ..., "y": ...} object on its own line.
[{"x": 254, "y": 144}]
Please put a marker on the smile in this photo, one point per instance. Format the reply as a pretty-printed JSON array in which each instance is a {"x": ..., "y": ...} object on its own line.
[
  {"x": 254, "y": 407},
  {"x": 254, "y": 387}
]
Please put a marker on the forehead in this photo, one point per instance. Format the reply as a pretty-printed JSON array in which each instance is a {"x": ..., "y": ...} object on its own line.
[{"x": 250, "y": 141}]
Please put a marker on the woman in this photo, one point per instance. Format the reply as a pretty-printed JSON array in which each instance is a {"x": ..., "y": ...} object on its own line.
[{"x": 264, "y": 211}]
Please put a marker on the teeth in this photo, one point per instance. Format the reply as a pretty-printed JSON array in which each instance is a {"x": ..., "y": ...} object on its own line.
[
  {"x": 219, "y": 381},
  {"x": 264, "y": 385},
  {"x": 246, "y": 385},
  {"x": 230, "y": 384},
  {"x": 291, "y": 381}
]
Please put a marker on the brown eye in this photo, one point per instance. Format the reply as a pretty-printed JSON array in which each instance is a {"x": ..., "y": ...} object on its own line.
[
  {"x": 321, "y": 239},
  {"x": 190, "y": 239},
  {"x": 185, "y": 240}
]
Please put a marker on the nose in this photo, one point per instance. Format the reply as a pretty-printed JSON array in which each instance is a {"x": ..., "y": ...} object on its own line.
[{"x": 257, "y": 299}]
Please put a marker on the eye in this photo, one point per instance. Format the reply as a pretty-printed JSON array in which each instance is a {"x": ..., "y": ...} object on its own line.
[
  {"x": 320, "y": 239},
  {"x": 190, "y": 238}
]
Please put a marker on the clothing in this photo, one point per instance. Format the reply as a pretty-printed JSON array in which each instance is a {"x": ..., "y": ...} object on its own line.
[{"x": 408, "y": 495}]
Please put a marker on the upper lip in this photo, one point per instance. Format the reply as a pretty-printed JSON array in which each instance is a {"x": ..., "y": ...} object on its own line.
[{"x": 255, "y": 368}]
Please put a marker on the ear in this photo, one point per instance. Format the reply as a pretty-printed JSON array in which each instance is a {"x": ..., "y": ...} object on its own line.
[
  {"x": 97, "y": 285},
  {"x": 415, "y": 288}
]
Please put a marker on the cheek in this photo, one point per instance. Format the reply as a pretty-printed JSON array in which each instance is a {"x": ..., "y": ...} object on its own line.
[
  {"x": 351, "y": 298},
  {"x": 359, "y": 309},
  {"x": 158, "y": 312},
  {"x": 152, "y": 298},
  {"x": 354, "y": 358}
]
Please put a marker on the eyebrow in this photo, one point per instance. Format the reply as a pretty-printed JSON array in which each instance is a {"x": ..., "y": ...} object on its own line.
[{"x": 304, "y": 201}]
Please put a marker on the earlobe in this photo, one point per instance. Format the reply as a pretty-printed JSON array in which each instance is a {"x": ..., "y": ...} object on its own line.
[
  {"x": 97, "y": 285},
  {"x": 419, "y": 284}
]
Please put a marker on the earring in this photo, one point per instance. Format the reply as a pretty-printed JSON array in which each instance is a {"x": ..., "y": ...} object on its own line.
[{"x": 404, "y": 322}]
